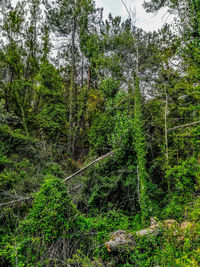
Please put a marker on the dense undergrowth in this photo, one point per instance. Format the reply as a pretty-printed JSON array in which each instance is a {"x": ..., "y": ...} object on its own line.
[{"x": 50, "y": 230}]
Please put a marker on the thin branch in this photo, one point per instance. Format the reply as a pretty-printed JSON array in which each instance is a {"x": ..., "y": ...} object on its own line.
[
  {"x": 84, "y": 168},
  {"x": 166, "y": 130},
  {"x": 15, "y": 201},
  {"x": 183, "y": 126},
  {"x": 138, "y": 185},
  {"x": 128, "y": 11}
]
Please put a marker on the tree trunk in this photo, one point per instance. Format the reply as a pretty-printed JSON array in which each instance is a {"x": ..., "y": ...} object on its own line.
[
  {"x": 72, "y": 98},
  {"x": 166, "y": 137}
]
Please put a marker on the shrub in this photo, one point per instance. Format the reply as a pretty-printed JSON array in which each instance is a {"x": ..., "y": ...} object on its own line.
[{"x": 51, "y": 229}]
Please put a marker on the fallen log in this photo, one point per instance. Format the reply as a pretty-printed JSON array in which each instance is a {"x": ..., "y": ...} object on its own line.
[
  {"x": 66, "y": 179},
  {"x": 119, "y": 240}
]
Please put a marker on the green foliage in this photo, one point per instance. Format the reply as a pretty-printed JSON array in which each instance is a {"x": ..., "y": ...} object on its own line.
[
  {"x": 193, "y": 210},
  {"x": 111, "y": 128},
  {"x": 52, "y": 120},
  {"x": 16, "y": 142},
  {"x": 51, "y": 114},
  {"x": 110, "y": 185},
  {"x": 184, "y": 179},
  {"x": 122, "y": 133},
  {"x": 103, "y": 225},
  {"x": 109, "y": 88},
  {"x": 80, "y": 259},
  {"x": 100, "y": 132},
  {"x": 52, "y": 168},
  {"x": 180, "y": 250},
  {"x": 49, "y": 82},
  {"x": 185, "y": 176}
]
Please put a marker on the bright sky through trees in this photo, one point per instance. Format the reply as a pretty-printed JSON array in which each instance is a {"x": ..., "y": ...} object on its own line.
[{"x": 148, "y": 22}]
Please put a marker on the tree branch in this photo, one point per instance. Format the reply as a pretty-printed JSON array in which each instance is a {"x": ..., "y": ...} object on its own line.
[
  {"x": 15, "y": 201},
  {"x": 183, "y": 126},
  {"x": 66, "y": 179},
  {"x": 84, "y": 168}
]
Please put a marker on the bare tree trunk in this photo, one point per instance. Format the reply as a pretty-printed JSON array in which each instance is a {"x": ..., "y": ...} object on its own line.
[
  {"x": 72, "y": 98},
  {"x": 85, "y": 99},
  {"x": 166, "y": 137},
  {"x": 82, "y": 71},
  {"x": 138, "y": 185},
  {"x": 89, "y": 79}
]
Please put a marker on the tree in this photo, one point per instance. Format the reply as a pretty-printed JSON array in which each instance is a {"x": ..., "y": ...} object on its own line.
[{"x": 66, "y": 18}]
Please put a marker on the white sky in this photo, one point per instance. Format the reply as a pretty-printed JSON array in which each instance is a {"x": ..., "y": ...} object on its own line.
[{"x": 146, "y": 21}]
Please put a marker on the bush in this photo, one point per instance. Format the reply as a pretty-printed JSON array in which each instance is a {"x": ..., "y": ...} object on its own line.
[
  {"x": 185, "y": 176},
  {"x": 51, "y": 229}
]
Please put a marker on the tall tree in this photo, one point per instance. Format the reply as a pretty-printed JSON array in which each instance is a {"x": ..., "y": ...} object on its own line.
[
  {"x": 66, "y": 18},
  {"x": 139, "y": 134}
]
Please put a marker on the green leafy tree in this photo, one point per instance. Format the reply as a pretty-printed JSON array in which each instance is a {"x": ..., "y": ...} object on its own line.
[{"x": 140, "y": 148}]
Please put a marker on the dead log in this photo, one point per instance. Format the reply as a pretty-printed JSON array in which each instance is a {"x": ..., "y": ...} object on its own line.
[{"x": 119, "y": 240}]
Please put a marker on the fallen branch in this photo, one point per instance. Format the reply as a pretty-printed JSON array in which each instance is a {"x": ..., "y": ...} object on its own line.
[
  {"x": 183, "y": 126},
  {"x": 15, "y": 201},
  {"x": 84, "y": 168},
  {"x": 66, "y": 179}
]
